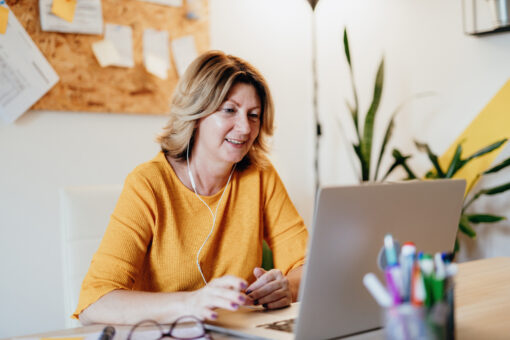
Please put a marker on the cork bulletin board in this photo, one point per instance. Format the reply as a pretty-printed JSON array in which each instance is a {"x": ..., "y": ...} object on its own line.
[{"x": 84, "y": 85}]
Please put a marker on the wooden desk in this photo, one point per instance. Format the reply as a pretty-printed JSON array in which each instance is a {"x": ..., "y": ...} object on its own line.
[
  {"x": 482, "y": 304},
  {"x": 482, "y": 299}
]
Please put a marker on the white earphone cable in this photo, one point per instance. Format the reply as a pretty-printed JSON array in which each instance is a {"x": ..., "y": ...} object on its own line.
[{"x": 208, "y": 207}]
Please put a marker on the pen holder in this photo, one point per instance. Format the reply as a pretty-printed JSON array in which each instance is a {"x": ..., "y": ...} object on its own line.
[{"x": 406, "y": 321}]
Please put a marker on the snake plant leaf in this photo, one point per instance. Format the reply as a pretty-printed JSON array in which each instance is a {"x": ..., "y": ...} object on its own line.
[
  {"x": 498, "y": 167},
  {"x": 466, "y": 228},
  {"x": 368, "y": 128},
  {"x": 430, "y": 175},
  {"x": 455, "y": 163},
  {"x": 497, "y": 190},
  {"x": 491, "y": 191},
  {"x": 387, "y": 136},
  {"x": 354, "y": 116},
  {"x": 432, "y": 156},
  {"x": 399, "y": 160},
  {"x": 346, "y": 47},
  {"x": 484, "y": 218},
  {"x": 486, "y": 150}
]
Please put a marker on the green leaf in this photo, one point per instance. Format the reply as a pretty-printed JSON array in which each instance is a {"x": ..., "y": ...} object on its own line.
[
  {"x": 387, "y": 136},
  {"x": 455, "y": 163},
  {"x": 400, "y": 160},
  {"x": 498, "y": 167},
  {"x": 466, "y": 228},
  {"x": 484, "y": 218},
  {"x": 432, "y": 156},
  {"x": 368, "y": 128},
  {"x": 346, "y": 47},
  {"x": 497, "y": 190},
  {"x": 486, "y": 150}
]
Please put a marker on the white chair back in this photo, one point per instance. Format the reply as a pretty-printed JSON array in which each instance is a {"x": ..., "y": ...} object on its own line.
[{"x": 85, "y": 213}]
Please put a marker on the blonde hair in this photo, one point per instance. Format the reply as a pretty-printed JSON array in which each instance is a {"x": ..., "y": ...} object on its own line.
[{"x": 200, "y": 92}]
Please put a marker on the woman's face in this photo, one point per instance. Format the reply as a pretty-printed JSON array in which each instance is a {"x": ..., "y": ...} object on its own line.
[{"x": 228, "y": 134}]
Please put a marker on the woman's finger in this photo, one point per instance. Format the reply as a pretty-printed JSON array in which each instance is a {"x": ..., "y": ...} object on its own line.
[
  {"x": 273, "y": 274},
  {"x": 229, "y": 281},
  {"x": 283, "y": 302}
]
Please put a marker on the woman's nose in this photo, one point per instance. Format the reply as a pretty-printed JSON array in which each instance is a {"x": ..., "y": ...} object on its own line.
[{"x": 243, "y": 124}]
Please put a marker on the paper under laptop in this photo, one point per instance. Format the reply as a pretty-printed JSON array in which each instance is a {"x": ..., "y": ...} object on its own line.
[{"x": 347, "y": 235}]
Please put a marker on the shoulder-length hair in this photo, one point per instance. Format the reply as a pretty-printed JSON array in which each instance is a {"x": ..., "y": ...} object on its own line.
[{"x": 200, "y": 92}]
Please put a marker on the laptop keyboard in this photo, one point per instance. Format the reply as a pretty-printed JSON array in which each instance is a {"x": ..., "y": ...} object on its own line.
[{"x": 282, "y": 325}]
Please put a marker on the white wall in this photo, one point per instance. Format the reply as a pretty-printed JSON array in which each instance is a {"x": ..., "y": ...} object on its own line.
[{"x": 44, "y": 151}]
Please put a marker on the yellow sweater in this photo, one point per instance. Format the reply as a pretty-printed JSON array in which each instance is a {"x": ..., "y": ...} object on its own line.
[{"x": 159, "y": 224}]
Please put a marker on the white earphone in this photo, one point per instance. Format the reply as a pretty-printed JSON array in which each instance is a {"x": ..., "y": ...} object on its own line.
[{"x": 208, "y": 207}]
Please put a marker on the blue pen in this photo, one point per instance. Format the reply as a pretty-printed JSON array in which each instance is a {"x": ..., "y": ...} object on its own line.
[{"x": 389, "y": 250}]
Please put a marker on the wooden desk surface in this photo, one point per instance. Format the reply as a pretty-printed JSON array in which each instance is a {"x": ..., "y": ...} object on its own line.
[
  {"x": 482, "y": 304},
  {"x": 482, "y": 299}
]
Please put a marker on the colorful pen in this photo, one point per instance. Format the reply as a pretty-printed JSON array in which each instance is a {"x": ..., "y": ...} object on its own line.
[{"x": 407, "y": 257}]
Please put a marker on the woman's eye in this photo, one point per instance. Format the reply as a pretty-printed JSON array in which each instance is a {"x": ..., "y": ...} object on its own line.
[
  {"x": 254, "y": 115},
  {"x": 229, "y": 109}
]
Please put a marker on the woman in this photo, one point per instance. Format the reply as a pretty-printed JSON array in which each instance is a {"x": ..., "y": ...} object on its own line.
[{"x": 186, "y": 234}]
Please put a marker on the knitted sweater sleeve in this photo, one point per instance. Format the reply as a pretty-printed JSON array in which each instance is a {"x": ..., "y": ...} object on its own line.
[
  {"x": 284, "y": 229},
  {"x": 119, "y": 258}
]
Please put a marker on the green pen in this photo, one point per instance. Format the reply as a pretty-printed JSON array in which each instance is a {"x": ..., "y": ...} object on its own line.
[
  {"x": 427, "y": 269},
  {"x": 439, "y": 279}
]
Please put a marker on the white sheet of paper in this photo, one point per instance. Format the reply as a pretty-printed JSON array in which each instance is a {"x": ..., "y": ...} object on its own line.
[
  {"x": 88, "y": 18},
  {"x": 122, "y": 38},
  {"x": 184, "y": 51},
  {"x": 105, "y": 53},
  {"x": 25, "y": 75},
  {"x": 156, "y": 57},
  {"x": 173, "y": 3}
]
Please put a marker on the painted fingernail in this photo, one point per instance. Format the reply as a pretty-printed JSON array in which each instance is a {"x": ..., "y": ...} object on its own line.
[
  {"x": 242, "y": 298},
  {"x": 248, "y": 292},
  {"x": 243, "y": 285},
  {"x": 214, "y": 316},
  {"x": 256, "y": 302},
  {"x": 264, "y": 305},
  {"x": 234, "y": 305}
]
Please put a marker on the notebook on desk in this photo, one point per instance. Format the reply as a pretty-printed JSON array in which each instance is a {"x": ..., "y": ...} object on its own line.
[{"x": 347, "y": 234}]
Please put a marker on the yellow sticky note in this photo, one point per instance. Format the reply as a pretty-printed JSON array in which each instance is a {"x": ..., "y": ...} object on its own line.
[
  {"x": 491, "y": 125},
  {"x": 64, "y": 9},
  {"x": 4, "y": 16}
]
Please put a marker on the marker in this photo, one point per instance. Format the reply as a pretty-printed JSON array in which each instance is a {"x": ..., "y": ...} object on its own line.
[
  {"x": 393, "y": 277},
  {"x": 418, "y": 292},
  {"x": 389, "y": 250},
  {"x": 438, "y": 281},
  {"x": 407, "y": 255},
  {"x": 427, "y": 269},
  {"x": 376, "y": 288}
]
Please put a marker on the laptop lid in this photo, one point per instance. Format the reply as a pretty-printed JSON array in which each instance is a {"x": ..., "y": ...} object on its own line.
[
  {"x": 347, "y": 234},
  {"x": 348, "y": 231}
]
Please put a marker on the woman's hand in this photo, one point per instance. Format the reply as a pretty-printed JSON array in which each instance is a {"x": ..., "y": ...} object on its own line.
[
  {"x": 271, "y": 289},
  {"x": 224, "y": 292}
]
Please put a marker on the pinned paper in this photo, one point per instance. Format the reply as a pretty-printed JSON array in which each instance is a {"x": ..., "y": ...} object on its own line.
[
  {"x": 88, "y": 18},
  {"x": 491, "y": 125},
  {"x": 122, "y": 38},
  {"x": 64, "y": 9},
  {"x": 105, "y": 53},
  {"x": 156, "y": 57},
  {"x": 25, "y": 75},
  {"x": 4, "y": 16},
  {"x": 184, "y": 51}
]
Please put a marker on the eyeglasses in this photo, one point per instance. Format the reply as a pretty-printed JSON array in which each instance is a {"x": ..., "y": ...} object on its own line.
[{"x": 184, "y": 328}]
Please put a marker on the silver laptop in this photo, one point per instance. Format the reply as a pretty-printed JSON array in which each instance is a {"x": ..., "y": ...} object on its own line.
[{"x": 348, "y": 231}]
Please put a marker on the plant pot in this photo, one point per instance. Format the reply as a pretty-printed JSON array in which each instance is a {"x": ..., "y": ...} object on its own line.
[{"x": 500, "y": 12}]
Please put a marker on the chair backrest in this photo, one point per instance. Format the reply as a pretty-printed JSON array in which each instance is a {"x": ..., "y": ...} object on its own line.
[{"x": 85, "y": 213}]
